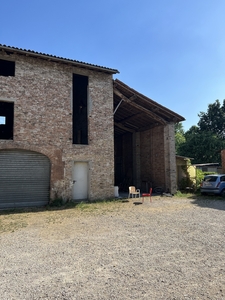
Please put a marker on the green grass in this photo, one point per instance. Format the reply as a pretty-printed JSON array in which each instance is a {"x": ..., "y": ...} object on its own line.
[
  {"x": 80, "y": 205},
  {"x": 180, "y": 194},
  {"x": 197, "y": 195},
  {"x": 12, "y": 222},
  {"x": 98, "y": 204}
]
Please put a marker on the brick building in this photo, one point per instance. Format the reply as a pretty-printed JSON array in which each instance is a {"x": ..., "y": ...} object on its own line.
[{"x": 67, "y": 129}]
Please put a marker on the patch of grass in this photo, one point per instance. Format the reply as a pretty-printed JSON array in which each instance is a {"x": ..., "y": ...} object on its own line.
[
  {"x": 180, "y": 194},
  {"x": 15, "y": 219},
  {"x": 197, "y": 196},
  {"x": 104, "y": 205},
  {"x": 84, "y": 206},
  {"x": 81, "y": 205},
  {"x": 11, "y": 223}
]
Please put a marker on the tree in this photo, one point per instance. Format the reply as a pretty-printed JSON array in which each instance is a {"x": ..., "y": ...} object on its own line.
[
  {"x": 214, "y": 119},
  {"x": 202, "y": 146},
  {"x": 205, "y": 141},
  {"x": 179, "y": 136}
]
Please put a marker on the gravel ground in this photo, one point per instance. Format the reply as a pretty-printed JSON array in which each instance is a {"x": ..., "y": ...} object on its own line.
[{"x": 169, "y": 249}]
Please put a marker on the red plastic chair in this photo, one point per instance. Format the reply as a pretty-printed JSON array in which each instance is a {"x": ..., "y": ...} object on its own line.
[{"x": 147, "y": 195}]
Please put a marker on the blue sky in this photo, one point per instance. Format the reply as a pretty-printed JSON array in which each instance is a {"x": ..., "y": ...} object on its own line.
[{"x": 172, "y": 51}]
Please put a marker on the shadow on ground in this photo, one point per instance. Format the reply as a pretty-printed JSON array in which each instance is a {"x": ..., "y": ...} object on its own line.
[{"x": 210, "y": 201}]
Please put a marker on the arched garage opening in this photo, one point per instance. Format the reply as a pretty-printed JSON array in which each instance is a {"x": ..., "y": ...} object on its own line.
[{"x": 24, "y": 178}]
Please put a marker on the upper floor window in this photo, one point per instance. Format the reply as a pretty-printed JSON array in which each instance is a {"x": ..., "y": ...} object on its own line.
[
  {"x": 6, "y": 120},
  {"x": 80, "y": 109},
  {"x": 7, "y": 68}
]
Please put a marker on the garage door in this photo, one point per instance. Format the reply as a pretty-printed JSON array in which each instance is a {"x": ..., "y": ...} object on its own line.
[{"x": 24, "y": 179}]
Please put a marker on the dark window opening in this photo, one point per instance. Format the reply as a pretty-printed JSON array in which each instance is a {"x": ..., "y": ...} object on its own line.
[
  {"x": 7, "y": 68},
  {"x": 6, "y": 120},
  {"x": 80, "y": 119}
]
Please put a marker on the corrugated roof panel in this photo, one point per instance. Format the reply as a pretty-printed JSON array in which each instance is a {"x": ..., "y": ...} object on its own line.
[{"x": 58, "y": 58}]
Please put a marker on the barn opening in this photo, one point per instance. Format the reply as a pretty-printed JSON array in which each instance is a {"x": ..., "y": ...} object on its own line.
[
  {"x": 80, "y": 109},
  {"x": 144, "y": 147}
]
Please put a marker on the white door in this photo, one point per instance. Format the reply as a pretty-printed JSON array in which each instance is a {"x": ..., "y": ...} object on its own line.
[{"x": 80, "y": 179}]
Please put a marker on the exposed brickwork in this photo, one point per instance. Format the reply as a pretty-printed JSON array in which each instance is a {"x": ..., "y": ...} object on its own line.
[
  {"x": 158, "y": 163},
  {"x": 152, "y": 156},
  {"x": 148, "y": 159},
  {"x": 170, "y": 158},
  {"x": 42, "y": 92}
]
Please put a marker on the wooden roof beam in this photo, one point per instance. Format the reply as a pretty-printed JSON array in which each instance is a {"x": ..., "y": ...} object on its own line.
[
  {"x": 146, "y": 111},
  {"x": 129, "y": 118},
  {"x": 132, "y": 98},
  {"x": 124, "y": 127}
]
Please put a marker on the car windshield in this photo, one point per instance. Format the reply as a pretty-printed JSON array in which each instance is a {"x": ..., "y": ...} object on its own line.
[{"x": 210, "y": 178}]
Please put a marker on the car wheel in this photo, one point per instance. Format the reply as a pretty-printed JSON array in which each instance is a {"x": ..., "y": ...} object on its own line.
[{"x": 223, "y": 193}]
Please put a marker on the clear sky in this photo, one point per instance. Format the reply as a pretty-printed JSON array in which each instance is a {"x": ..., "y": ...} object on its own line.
[{"x": 172, "y": 51}]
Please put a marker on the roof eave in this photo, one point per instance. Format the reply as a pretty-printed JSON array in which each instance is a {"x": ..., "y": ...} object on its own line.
[
  {"x": 176, "y": 118},
  {"x": 57, "y": 59}
]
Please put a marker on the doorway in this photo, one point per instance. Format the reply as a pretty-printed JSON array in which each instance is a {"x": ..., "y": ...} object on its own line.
[
  {"x": 123, "y": 157},
  {"x": 80, "y": 179}
]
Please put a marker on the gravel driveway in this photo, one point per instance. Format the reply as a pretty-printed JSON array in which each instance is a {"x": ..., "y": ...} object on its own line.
[{"x": 169, "y": 249}]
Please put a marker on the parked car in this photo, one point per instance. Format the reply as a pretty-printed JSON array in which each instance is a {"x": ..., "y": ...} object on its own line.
[{"x": 213, "y": 184}]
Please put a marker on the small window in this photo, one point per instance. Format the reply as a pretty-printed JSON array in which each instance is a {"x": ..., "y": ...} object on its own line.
[
  {"x": 7, "y": 68},
  {"x": 2, "y": 120},
  {"x": 6, "y": 120}
]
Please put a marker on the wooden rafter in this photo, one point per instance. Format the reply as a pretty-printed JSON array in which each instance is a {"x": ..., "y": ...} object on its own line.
[
  {"x": 140, "y": 108},
  {"x": 123, "y": 127}
]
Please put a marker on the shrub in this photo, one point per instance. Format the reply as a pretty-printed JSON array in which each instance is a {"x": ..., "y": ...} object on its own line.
[{"x": 186, "y": 182}]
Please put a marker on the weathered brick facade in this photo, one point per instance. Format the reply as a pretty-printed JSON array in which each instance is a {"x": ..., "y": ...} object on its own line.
[
  {"x": 42, "y": 94},
  {"x": 158, "y": 164},
  {"x": 131, "y": 139},
  {"x": 148, "y": 159}
]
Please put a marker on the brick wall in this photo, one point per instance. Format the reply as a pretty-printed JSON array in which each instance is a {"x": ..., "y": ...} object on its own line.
[
  {"x": 170, "y": 158},
  {"x": 42, "y": 93},
  {"x": 158, "y": 161},
  {"x": 152, "y": 156}
]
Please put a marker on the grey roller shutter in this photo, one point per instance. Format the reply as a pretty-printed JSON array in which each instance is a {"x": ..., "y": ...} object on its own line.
[{"x": 24, "y": 179}]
